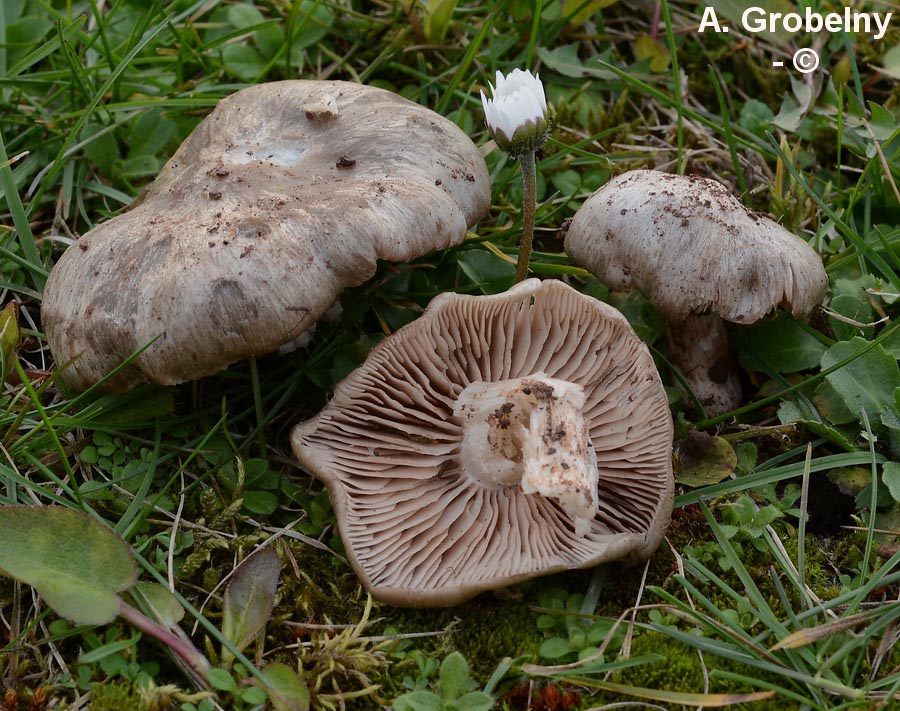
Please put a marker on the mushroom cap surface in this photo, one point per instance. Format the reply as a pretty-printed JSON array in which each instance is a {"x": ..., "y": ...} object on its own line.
[
  {"x": 417, "y": 531},
  {"x": 284, "y": 195},
  {"x": 692, "y": 247}
]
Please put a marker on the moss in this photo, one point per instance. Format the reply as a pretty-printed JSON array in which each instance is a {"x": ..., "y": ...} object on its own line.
[
  {"x": 495, "y": 626},
  {"x": 485, "y": 630},
  {"x": 682, "y": 671},
  {"x": 115, "y": 696},
  {"x": 327, "y": 589}
]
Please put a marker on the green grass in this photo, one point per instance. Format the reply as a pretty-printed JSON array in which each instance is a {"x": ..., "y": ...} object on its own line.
[{"x": 94, "y": 98}]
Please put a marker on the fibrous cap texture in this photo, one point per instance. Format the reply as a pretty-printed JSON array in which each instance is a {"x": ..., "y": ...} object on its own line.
[
  {"x": 284, "y": 195},
  {"x": 418, "y": 530},
  {"x": 691, "y": 247}
]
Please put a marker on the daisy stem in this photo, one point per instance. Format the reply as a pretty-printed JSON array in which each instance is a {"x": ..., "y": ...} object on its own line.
[{"x": 526, "y": 160}]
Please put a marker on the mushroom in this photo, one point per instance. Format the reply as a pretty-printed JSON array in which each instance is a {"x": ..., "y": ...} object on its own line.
[
  {"x": 492, "y": 440},
  {"x": 284, "y": 195},
  {"x": 700, "y": 256}
]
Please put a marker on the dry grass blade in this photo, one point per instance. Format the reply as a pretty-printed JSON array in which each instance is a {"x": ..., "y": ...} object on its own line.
[
  {"x": 801, "y": 638},
  {"x": 675, "y": 697}
]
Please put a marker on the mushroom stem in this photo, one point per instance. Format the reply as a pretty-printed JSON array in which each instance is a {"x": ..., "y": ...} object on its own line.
[
  {"x": 529, "y": 192},
  {"x": 698, "y": 345},
  {"x": 531, "y": 432}
]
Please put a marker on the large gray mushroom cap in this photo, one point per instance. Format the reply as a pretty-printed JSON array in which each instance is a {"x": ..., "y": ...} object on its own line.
[
  {"x": 452, "y": 454},
  {"x": 284, "y": 195},
  {"x": 700, "y": 256}
]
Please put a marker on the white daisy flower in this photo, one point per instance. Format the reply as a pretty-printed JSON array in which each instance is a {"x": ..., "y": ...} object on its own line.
[{"x": 517, "y": 114}]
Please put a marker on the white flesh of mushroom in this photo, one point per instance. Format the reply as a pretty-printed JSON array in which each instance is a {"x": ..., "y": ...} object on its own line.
[{"x": 531, "y": 432}]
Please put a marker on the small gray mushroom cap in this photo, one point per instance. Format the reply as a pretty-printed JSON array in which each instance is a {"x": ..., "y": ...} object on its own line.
[
  {"x": 284, "y": 195},
  {"x": 420, "y": 532},
  {"x": 695, "y": 252},
  {"x": 691, "y": 247}
]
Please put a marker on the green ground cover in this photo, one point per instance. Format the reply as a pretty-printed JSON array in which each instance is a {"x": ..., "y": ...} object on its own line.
[{"x": 746, "y": 596}]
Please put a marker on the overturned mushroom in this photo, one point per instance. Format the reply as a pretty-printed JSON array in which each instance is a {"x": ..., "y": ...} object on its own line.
[
  {"x": 495, "y": 439},
  {"x": 700, "y": 256},
  {"x": 283, "y": 196}
]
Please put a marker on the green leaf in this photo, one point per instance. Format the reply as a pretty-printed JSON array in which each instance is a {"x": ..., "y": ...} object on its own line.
[
  {"x": 889, "y": 520},
  {"x": 454, "y": 676},
  {"x": 9, "y": 339},
  {"x": 582, "y": 10},
  {"x": 257, "y": 475},
  {"x": 892, "y": 425},
  {"x": 144, "y": 403},
  {"x": 312, "y": 24},
  {"x": 487, "y": 271},
  {"x": 150, "y": 134},
  {"x": 242, "y": 16},
  {"x": 163, "y": 605},
  {"x": 790, "y": 116},
  {"x": 475, "y": 701},
  {"x": 269, "y": 40},
  {"x": 221, "y": 680},
  {"x": 746, "y": 455},
  {"x": 857, "y": 286},
  {"x": 868, "y": 381},
  {"x": 269, "y": 37},
  {"x": 250, "y": 597},
  {"x": 564, "y": 60},
  {"x": 13, "y": 9},
  {"x": 254, "y": 696},
  {"x": 645, "y": 47},
  {"x": 103, "y": 151},
  {"x": 437, "y": 18},
  {"x": 141, "y": 166},
  {"x": 705, "y": 459},
  {"x": 892, "y": 344},
  {"x": 107, "y": 650},
  {"x": 882, "y": 126},
  {"x": 24, "y": 34},
  {"x": 780, "y": 343},
  {"x": 243, "y": 62},
  {"x": 767, "y": 515},
  {"x": 259, "y": 502},
  {"x": 567, "y": 182},
  {"x": 555, "y": 648},
  {"x": 890, "y": 475},
  {"x": 850, "y": 480},
  {"x": 755, "y": 116},
  {"x": 891, "y": 65},
  {"x": 831, "y": 405},
  {"x": 287, "y": 691},
  {"x": 729, "y": 531},
  {"x": 418, "y": 701},
  {"x": 854, "y": 308},
  {"x": 76, "y": 564}
]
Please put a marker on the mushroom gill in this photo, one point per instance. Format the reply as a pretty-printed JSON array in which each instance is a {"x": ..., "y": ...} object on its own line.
[{"x": 429, "y": 518}]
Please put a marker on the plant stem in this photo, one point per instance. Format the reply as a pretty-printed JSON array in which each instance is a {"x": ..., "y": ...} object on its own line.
[
  {"x": 258, "y": 405},
  {"x": 526, "y": 160},
  {"x": 186, "y": 651}
]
